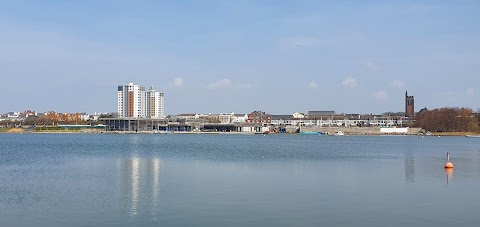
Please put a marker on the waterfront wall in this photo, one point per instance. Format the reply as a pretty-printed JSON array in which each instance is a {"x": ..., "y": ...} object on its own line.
[{"x": 356, "y": 130}]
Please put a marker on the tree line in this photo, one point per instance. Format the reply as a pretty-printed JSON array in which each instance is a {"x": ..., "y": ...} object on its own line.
[
  {"x": 49, "y": 120},
  {"x": 448, "y": 119}
]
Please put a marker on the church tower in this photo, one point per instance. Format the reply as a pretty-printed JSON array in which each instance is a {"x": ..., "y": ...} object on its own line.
[{"x": 409, "y": 105}]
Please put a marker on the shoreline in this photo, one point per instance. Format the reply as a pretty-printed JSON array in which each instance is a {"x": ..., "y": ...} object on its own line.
[{"x": 437, "y": 134}]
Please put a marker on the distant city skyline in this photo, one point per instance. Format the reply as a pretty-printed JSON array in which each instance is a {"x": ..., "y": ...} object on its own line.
[{"x": 219, "y": 56}]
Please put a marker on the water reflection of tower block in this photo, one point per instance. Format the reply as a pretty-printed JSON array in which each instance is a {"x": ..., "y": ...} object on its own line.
[
  {"x": 139, "y": 179},
  {"x": 155, "y": 169}
]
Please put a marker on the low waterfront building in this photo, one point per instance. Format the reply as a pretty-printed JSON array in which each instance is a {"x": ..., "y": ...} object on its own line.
[
  {"x": 170, "y": 125},
  {"x": 343, "y": 120},
  {"x": 143, "y": 125},
  {"x": 281, "y": 119}
]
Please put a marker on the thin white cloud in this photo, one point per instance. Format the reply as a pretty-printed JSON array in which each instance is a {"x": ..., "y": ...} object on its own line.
[
  {"x": 312, "y": 85},
  {"x": 470, "y": 92},
  {"x": 397, "y": 84},
  {"x": 381, "y": 95},
  {"x": 220, "y": 84},
  {"x": 372, "y": 66},
  {"x": 178, "y": 82},
  {"x": 349, "y": 82}
]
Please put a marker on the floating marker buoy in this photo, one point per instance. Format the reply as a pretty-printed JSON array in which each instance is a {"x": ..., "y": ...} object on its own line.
[{"x": 448, "y": 164}]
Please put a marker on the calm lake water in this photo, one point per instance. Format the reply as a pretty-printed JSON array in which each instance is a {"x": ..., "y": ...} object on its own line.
[{"x": 237, "y": 180}]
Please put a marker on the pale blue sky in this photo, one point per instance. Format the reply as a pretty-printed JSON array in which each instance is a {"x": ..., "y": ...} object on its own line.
[{"x": 224, "y": 56}]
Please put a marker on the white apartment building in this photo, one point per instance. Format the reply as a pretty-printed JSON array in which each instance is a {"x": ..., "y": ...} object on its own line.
[
  {"x": 134, "y": 101},
  {"x": 155, "y": 104},
  {"x": 131, "y": 100}
]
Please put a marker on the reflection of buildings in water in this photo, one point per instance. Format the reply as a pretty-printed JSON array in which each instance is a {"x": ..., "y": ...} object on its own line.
[
  {"x": 135, "y": 184},
  {"x": 449, "y": 174},
  {"x": 137, "y": 178},
  {"x": 409, "y": 168},
  {"x": 156, "y": 179}
]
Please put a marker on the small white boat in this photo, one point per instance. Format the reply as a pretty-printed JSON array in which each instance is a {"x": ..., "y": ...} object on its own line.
[
  {"x": 339, "y": 133},
  {"x": 473, "y": 136}
]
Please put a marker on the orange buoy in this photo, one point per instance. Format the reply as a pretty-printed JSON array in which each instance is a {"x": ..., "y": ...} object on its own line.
[{"x": 448, "y": 164}]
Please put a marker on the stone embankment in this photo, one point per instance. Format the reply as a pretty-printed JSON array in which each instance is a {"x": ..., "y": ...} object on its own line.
[{"x": 355, "y": 130}]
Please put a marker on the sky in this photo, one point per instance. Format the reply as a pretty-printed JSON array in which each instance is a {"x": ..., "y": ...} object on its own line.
[{"x": 239, "y": 56}]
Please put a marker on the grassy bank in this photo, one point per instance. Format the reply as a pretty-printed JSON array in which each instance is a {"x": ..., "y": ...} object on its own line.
[
  {"x": 11, "y": 130},
  {"x": 4, "y": 129},
  {"x": 55, "y": 129},
  {"x": 65, "y": 130}
]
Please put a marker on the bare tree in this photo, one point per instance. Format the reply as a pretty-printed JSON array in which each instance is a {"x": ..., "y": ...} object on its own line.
[{"x": 448, "y": 120}]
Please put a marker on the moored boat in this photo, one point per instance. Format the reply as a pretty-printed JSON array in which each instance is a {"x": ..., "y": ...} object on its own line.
[
  {"x": 310, "y": 133},
  {"x": 339, "y": 133},
  {"x": 473, "y": 136}
]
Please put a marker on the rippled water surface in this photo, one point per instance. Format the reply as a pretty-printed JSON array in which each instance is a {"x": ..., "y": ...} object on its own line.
[{"x": 237, "y": 180}]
